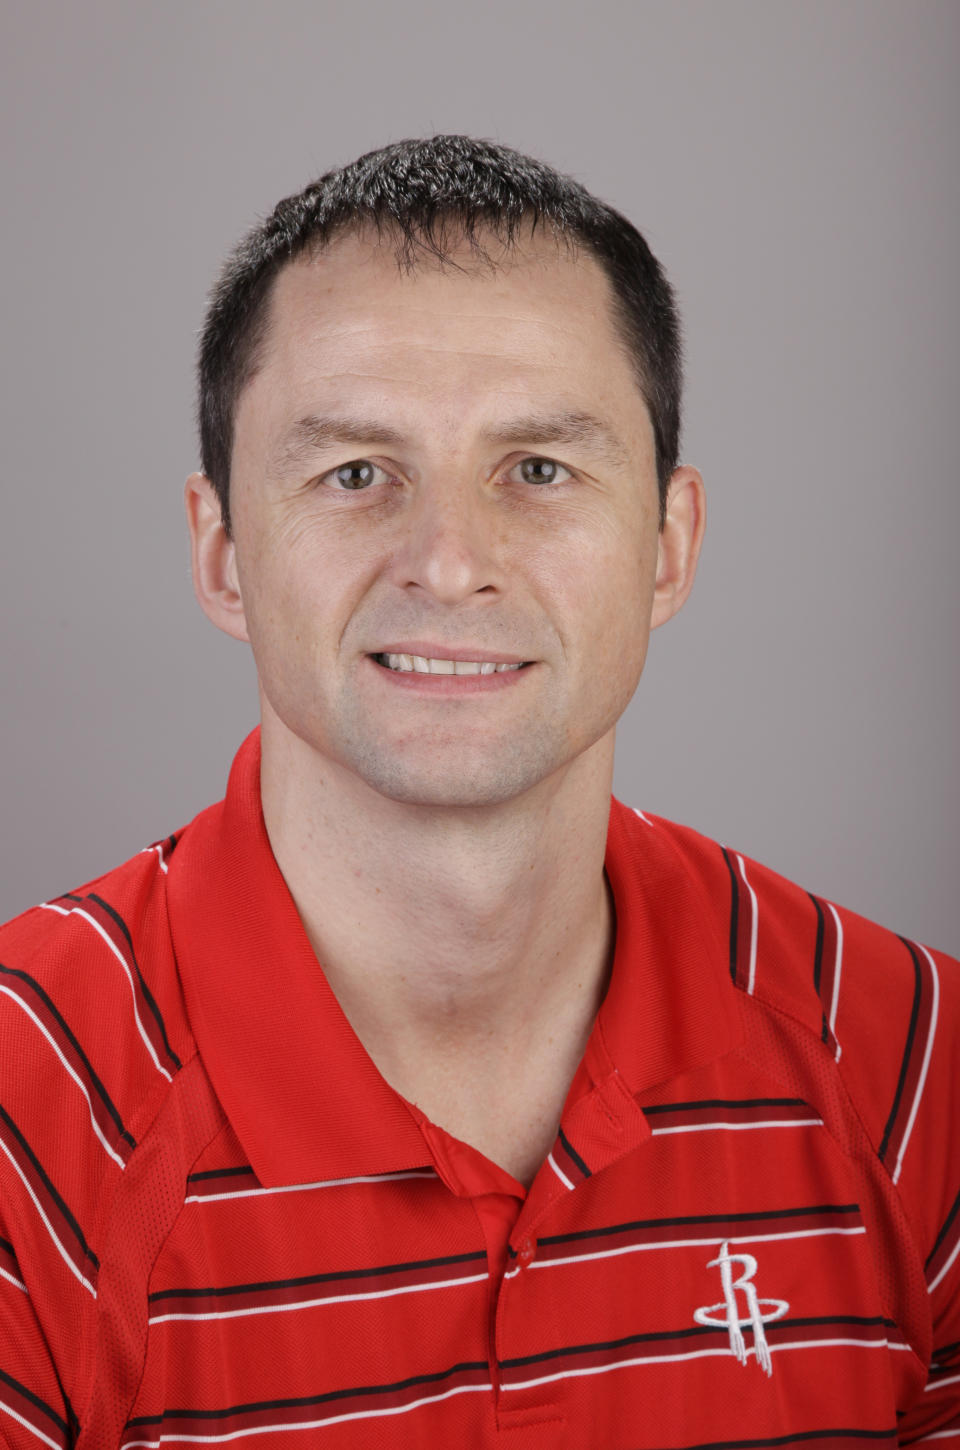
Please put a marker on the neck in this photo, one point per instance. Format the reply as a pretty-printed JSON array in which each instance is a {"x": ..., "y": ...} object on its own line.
[{"x": 450, "y": 936}]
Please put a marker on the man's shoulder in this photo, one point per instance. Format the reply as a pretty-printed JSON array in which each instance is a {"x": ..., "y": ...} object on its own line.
[
  {"x": 99, "y": 1094},
  {"x": 842, "y": 1003},
  {"x": 801, "y": 952},
  {"x": 91, "y": 1013}
]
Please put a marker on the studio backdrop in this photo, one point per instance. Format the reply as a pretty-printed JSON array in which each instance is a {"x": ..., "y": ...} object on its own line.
[{"x": 792, "y": 163}]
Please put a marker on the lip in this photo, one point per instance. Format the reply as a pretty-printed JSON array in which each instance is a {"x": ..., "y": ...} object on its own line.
[
  {"x": 456, "y": 686},
  {"x": 450, "y": 652}
]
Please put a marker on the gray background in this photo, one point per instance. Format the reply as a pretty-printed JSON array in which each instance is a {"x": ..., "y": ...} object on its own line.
[{"x": 793, "y": 164}]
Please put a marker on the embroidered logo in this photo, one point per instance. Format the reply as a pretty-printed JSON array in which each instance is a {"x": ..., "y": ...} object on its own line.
[{"x": 726, "y": 1314}]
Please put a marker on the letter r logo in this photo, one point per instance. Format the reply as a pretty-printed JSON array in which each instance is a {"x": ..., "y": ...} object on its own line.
[{"x": 732, "y": 1319}]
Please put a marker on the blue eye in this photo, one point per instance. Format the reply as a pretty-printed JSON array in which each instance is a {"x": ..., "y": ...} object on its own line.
[
  {"x": 358, "y": 474},
  {"x": 542, "y": 470}
]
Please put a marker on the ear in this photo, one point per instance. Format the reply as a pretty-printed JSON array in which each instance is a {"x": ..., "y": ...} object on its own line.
[
  {"x": 213, "y": 556},
  {"x": 679, "y": 545}
]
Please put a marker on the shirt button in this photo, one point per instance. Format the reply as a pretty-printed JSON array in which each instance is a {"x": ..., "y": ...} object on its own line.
[{"x": 527, "y": 1252}]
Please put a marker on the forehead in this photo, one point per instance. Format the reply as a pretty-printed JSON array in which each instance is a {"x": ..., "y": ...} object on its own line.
[{"x": 535, "y": 328}]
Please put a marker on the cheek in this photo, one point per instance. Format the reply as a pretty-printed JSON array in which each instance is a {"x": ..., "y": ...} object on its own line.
[
  {"x": 300, "y": 581},
  {"x": 605, "y": 576},
  {"x": 606, "y": 591}
]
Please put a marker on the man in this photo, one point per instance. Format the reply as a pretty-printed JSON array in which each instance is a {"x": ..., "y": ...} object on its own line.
[{"x": 419, "y": 1093}]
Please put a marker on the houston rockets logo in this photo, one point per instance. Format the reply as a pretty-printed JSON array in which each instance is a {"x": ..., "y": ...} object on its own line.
[{"x": 726, "y": 1314}]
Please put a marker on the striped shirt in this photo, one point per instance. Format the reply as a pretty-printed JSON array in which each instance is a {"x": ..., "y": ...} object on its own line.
[{"x": 219, "y": 1224}]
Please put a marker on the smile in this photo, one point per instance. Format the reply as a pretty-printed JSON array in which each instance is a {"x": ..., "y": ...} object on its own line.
[{"x": 418, "y": 664}]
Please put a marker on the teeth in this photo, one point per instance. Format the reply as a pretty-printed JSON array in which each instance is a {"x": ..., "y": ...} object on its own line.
[{"x": 406, "y": 663}]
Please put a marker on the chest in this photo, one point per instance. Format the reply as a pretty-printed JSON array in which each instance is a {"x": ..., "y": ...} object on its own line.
[{"x": 715, "y": 1282}]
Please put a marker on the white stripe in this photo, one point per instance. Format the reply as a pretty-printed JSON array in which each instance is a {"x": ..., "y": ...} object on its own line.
[
  {"x": 938, "y": 1435},
  {"x": 79, "y": 1081},
  {"x": 57, "y": 1444},
  {"x": 742, "y": 1127},
  {"x": 175, "y": 1439},
  {"x": 562, "y": 1176},
  {"x": 946, "y": 1268},
  {"x": 696, "y": 1354},
  {"x": 642, "y": 817},
  {"x": 312, "y": 1303},
  {"x": 838, "y": 960},
  {"x": 926, "y": 1063},
  {"x": 753, "y": 929},
  {"x": 49, "y": 906},
  {"x": 11, "y": 1279},
  {"x": 805, "y": 1233},
  {"x": 302, "y": 1187},
  {"x": 79, "y": 911},
  {"x": 953, "y": 1379},
  {"x": 36, "y": 1202},
  {"x": 159, "y": 850}
]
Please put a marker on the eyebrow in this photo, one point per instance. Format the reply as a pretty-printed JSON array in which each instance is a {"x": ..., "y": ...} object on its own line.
[{"x": 315, "y": 432}]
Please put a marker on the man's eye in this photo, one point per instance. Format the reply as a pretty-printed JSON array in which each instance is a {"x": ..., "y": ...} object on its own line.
[
  {"x": 360, "y": 473},
  {"x": 542, "y": 470}
]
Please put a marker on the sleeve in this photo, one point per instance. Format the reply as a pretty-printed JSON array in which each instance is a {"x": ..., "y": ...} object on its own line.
[
  {"x": 925, "y": 1134},
  {"x": 55, "y": 1183},
  {"x": 34, "y": 1409},
  {"x": 936, "y": 1415}
]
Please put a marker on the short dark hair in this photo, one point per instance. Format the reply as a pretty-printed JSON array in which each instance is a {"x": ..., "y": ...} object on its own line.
[{"x": 429, "y": 195}]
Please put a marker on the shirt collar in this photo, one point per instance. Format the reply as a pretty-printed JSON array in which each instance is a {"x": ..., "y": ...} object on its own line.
[
  {"x": 304, "y": 1098},
  {"x": 671, "y": 1005}
]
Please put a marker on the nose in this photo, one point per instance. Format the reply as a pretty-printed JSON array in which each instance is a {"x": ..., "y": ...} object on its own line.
[{"x": 449, "y": 546}]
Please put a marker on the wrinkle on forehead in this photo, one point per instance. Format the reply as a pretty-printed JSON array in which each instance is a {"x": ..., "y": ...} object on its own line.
[{"x": 336, "y": 339}]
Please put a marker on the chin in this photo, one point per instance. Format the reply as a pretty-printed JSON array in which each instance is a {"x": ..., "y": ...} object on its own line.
[{"x": 464, "y": 784}]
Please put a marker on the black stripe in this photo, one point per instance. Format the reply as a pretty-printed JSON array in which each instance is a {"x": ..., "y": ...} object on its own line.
[
  {"x": 219, "y": 1173},
  {"x": 818, "y": 950},
  {"x": 6, "y": 1244},
  {"x": 734, "y": 913},
  {"x": 78, "y": 1231},
  {"x": 944, "y": 1231},
  {"x": 818, "y": 965},
  {"x": 147, "y": 994},
  {"x": 911, "y": 1033},
  {"x": 171, "y": 845},
  {"x": 801, "y": 1435},
  {"x": 306, "y": 1279},
  {"x": 572, "y": 1153},
  {"x": 693, "y": 1332},
  {"x": 41, "y": 1405},
  {"x": 946, "y": 1351},
  {"x": 730, "y": 1103},
  {"x": 692, "y": 1219},
  {"x": 304, "y": 1401},
  {"x": 73, "y": 1424},
  {"x": 51, "y": 1008}
]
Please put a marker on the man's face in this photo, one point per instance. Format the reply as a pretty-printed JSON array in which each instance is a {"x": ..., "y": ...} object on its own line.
[{"x": 445, "y": 464}]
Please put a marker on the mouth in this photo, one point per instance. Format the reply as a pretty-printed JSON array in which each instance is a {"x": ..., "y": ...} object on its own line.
[{"x": 423, "y": 665}]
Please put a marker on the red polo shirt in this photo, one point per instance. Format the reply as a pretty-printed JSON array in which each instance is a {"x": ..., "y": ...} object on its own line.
[{"x": 218, "y": 1222}]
